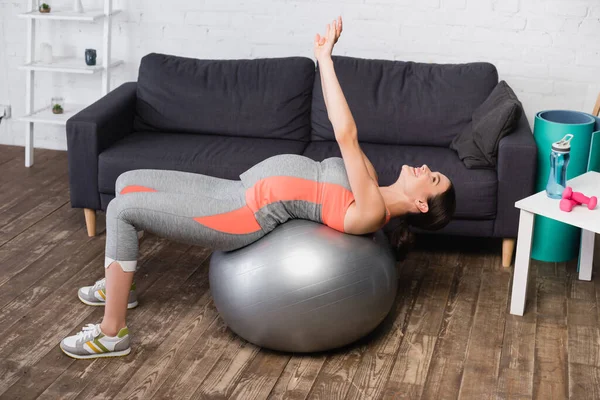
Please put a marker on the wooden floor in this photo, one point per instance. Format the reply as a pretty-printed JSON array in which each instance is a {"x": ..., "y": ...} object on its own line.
[{"x": 448, "y": 336}]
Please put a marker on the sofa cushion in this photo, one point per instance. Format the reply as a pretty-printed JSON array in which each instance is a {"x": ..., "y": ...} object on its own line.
[
  {"x": 467, "y": 150},
  {"x": 220, "y": 156},
  {"x": 475, "y": 188},
  {"x": 405, "y": 103},
  {"x": 263, "y": 98},
  {"x": 496, "y": 117}
]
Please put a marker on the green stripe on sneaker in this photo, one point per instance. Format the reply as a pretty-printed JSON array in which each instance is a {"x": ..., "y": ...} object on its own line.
[
  {"x": 123, "y": 332},
  {"x": 97, "y": 343}
]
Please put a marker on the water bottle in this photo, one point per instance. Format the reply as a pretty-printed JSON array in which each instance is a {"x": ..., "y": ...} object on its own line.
[{"x": 559, "y": 160}]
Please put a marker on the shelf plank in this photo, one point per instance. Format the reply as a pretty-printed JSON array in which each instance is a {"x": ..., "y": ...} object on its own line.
[
  {"x": 88, "y": 16},
  {"x": 46, "y": 116},
  {"x": 68, "y": 64}
]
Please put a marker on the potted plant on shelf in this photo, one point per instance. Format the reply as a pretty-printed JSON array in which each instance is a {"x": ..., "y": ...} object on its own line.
[
  {"x": 44, "y": 8},
  {"x": 57, "y": 109},
  {"x": 56, "y": 105}
]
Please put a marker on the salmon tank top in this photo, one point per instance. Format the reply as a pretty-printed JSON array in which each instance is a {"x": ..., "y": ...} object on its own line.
[{"x": 288, "y": 186}]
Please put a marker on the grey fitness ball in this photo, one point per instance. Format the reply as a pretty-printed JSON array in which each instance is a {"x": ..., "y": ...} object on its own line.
[{"x": 305, "y": 287}]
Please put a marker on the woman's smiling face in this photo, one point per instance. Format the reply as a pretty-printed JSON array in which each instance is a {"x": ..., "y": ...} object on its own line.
[{"x": 422, "y": 183}]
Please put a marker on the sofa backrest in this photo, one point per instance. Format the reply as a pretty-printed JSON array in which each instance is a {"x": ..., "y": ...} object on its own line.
[
  {"x": 263, "y": 98},
  {"x": 407, "y": 103}
]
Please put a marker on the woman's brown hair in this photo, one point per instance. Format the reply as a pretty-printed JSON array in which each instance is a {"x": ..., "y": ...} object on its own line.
[{"x": 441, "y": 209}]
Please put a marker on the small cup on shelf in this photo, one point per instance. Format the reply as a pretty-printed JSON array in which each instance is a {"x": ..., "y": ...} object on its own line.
[
  {"x": 90, "y": 57},
  {"x": 57, "y": 105}
]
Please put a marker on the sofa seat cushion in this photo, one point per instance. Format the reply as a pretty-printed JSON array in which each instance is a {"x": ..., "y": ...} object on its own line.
[
  {"x": 220, "y": 156},
  {"x": 475, "y": 188}
]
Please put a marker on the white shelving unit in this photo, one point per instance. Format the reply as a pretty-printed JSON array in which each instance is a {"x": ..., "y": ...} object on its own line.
[{"x": 65, "y": 64}]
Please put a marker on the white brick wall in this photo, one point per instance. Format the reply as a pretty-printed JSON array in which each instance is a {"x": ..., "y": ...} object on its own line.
[{"x": 547, "y": 50}]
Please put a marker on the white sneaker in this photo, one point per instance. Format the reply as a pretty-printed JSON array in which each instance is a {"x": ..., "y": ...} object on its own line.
[
  {"x": 96, "y": 295},
  {"x": 92, "y": 343}
]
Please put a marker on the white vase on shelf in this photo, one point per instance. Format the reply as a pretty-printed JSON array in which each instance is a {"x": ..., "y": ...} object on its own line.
[
  {"x": 46, "y": 53},
  {"x": 77, "y": 6}
]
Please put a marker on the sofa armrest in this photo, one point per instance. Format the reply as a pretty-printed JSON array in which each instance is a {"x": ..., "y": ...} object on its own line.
[
  {"x": 517, "y": 168},
  {"x": 89, "y": 133}
]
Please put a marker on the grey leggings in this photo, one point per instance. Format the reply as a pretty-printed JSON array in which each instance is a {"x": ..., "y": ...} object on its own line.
[{"x": 181, "y": 206}]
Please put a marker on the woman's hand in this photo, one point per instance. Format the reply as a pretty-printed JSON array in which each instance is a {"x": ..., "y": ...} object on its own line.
[{"x": 324, "y": 44}]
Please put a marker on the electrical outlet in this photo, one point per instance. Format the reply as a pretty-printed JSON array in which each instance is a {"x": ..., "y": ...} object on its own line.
[{"x": 4, "y": 111}]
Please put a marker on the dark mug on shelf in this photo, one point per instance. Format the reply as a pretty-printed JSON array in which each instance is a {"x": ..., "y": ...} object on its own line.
[{"x": 90, "y": 56}]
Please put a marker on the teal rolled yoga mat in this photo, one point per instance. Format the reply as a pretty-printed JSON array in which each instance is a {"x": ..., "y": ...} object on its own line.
[
  {"x": 594, "y": 159},
  {"x": 555, "y": 241}
]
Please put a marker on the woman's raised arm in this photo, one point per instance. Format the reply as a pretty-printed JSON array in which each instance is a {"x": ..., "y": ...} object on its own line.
[
  {"x": 337, "y": 108},
  {"x": 369, "y": 204}
]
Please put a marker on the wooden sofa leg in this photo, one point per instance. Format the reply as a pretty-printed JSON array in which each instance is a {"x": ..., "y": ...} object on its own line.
[
  {"x": 508, "y": 248},
  {"x": 90, "y": 221}
]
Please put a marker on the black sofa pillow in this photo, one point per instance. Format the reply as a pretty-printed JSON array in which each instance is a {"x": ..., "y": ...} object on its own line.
[
  {"x": 266, "y": 98},
  {"x": 405, "y": 103},
  {"x": 496, "y": 117},
  {"x": 467, "y": 151}
]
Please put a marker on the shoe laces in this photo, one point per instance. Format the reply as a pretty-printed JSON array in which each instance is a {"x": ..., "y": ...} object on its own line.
[
  {"x": 88, "y": 332},
  {"x": 101, "y": 284}
]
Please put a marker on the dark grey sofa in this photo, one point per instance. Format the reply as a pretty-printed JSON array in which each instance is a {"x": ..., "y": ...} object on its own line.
[{"x": 220, "y": 117}]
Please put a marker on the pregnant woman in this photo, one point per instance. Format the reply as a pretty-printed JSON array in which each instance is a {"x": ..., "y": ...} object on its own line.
[{"x": 342, "y": 193}]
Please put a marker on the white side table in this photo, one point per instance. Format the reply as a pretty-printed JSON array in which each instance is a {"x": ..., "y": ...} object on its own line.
[{"x": 581, "y": 217}]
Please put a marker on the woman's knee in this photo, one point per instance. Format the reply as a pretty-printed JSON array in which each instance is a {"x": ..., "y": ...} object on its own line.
[
  {"x": 133, "y": 181},
  {"x": 129, "y": 210},
  {"x": 125, "y": 179},
  {"x": 117, "y": 208}
]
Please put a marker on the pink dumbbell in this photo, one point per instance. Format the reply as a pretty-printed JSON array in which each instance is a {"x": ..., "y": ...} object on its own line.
[
  {"x": 568, "y": 204},
  {"x": 580, "y": 198}
]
